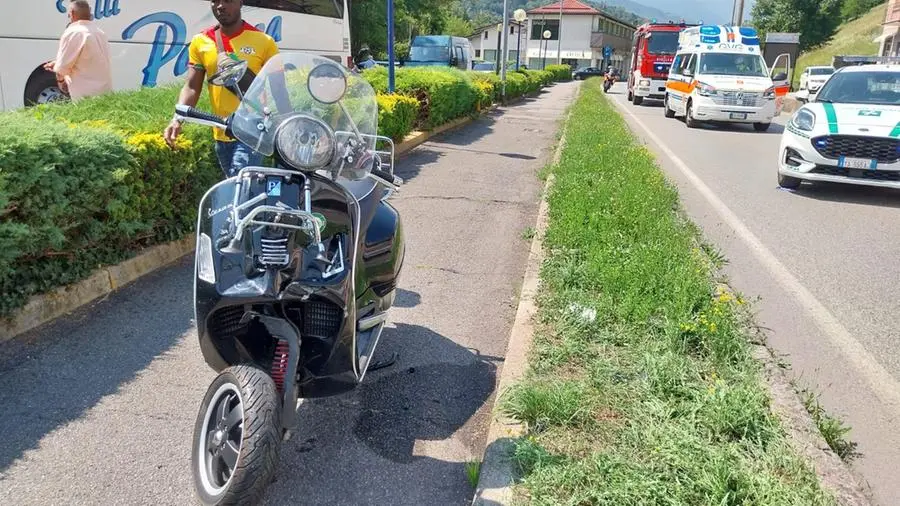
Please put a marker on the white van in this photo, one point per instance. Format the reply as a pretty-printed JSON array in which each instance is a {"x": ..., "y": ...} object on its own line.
[
  {"x": 811, "y": 81},
  {"x": 719, "y": 75}
]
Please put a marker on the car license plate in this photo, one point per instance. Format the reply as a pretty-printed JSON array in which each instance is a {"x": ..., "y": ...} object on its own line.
[
  {"x": 738, "y": 115},
  {"x": 857, "y": 163}
]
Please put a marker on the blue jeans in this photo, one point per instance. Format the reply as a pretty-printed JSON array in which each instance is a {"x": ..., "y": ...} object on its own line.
[{"x": 234, "y": 156}]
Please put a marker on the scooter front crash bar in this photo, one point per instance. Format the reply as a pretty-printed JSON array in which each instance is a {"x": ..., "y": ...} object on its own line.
[{"x": 310, "y": 226}]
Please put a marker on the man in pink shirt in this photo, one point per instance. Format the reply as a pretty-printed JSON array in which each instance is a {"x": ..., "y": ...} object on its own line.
[{"x": 83, "y": 66}]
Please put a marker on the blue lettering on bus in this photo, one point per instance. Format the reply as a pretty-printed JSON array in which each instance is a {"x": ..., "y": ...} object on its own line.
[
  {"x": 274, "y": 29},
  {"x": 106, "y": 9},
  {"x": 164, "y": 50},
  {"x": 160, "y": 54},
  {"x": 102, "y": 8}
]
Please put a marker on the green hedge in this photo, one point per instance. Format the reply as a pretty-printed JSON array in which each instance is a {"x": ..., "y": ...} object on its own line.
[
  {"x": 518, "y": 84},
  {"x": 89, "y": 184},
  {"x": 561, "y": 73},
  {"x": 489, "y": 86},
  {"x": 444, "y": 94},
  {"x": 84, "y": 185},
  {"x": 396, "y": 115}
]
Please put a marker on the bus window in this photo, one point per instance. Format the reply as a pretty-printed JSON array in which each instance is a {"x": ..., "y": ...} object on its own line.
[{"x": 328, "y": 8}]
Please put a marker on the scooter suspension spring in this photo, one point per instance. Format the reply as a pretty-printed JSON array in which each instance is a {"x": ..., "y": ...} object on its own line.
[{"x": 280, "y": 364}]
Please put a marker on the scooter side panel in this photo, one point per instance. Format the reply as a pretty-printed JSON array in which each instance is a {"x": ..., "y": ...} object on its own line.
[{"x": 384, "y": 250}]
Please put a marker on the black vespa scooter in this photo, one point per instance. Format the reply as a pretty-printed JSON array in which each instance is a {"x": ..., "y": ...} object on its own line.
[{"x": 296, "y": 265}]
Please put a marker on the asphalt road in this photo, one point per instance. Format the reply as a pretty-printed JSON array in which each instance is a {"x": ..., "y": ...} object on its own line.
[
  {"x": 98, "y": 407},
  {"x": 837, "y": 243}
]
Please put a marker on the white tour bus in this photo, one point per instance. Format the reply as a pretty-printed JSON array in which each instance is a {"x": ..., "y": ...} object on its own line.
[{"x": 149, "y": 38}]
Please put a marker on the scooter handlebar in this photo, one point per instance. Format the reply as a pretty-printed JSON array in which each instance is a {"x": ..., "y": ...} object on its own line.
[{"x": 197, "y": 116}]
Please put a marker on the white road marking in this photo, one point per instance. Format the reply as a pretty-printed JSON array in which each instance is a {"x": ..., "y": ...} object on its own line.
[{"x": 883, "y": 385}]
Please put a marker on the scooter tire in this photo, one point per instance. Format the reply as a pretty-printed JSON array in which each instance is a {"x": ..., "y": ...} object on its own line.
[{"x": 248, "y": 393}]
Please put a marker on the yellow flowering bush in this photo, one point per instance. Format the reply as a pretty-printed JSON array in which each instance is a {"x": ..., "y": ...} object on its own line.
[{"x": 396, "y": 115}]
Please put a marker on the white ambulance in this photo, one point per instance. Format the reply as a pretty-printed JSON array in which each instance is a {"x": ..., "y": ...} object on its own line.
[{"x": 720, "y": 75}]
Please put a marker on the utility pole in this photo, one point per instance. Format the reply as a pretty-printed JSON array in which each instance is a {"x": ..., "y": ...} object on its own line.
[
  {"x": 390, "y": 43},
  {"x": 559, "y": 36},
  {"x": 505, "y": 36},
  {"x": 520, "y": 16},
  {"x": 499, "y": 47},
  {"x": 737, "y": 16}
]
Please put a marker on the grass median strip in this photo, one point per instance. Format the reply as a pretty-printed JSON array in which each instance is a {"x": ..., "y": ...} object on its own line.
[{"x": 641, "y": 386}]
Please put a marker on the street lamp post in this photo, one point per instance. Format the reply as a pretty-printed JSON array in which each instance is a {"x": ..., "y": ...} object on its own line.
[
  {"x": 520, "y": 16},
  {"x": 547, "y": 34},
  {"x": 390, "y": 44},
  {"x": 559, "y": 35},
  {"x": 499, "y": 36},
  {"x": 505, "y": 50}
]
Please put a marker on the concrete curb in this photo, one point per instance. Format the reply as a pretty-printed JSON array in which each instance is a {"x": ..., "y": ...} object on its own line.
[
  {"x": 49, "y": 306},
  {"x": 848, "y": 488},
  {"x": 497, "y": 475},
  {"x": 46, "y": 307}
]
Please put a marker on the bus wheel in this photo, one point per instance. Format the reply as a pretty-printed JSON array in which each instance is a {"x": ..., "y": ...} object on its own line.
[
  {"x": 42, "y": 89},
  {"x": 638, "y": 100}
]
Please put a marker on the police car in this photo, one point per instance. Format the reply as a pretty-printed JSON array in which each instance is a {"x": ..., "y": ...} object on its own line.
[{"x": 849, "y": 134}]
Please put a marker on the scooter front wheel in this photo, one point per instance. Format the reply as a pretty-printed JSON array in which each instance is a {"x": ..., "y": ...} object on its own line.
[{"x": 237, "y": 437}]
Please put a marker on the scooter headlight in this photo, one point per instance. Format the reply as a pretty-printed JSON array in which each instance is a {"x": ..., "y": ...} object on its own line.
[
  {"x": 305, "y": 143},
  {"x": 804, "y": 120}
]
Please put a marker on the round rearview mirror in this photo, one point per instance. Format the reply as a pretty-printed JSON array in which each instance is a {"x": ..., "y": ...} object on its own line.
[
  {"x": 327, "y": 83},
  {"x": 229, "y": 74}
]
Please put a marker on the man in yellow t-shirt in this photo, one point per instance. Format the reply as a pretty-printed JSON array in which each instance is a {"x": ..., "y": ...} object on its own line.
[{"x": 241, "y": 40}]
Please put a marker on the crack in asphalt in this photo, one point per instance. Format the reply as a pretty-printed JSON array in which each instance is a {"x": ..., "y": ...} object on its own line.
[
  {"x": 460, "y": 273},
  {"x": 467, "y": 199}
]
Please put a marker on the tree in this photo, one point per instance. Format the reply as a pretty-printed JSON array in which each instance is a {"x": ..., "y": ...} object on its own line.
[
  {"x": 411, "y": 17},
  {"x": 458, "y": 26},
  {"x": 853, "y": 9},
  {"x": 485, "y": 18},
  {"x": 815, "y": 20}
]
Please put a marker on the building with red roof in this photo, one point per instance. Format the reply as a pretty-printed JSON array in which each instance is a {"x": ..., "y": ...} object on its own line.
[{"x": 590, "y": 38}]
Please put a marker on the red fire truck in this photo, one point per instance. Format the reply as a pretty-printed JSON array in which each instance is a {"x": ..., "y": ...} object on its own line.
[{"x": 652, "y": 52}]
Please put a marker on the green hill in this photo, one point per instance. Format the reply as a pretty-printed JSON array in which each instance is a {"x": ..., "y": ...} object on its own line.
[{"x": 852, "y": 38}]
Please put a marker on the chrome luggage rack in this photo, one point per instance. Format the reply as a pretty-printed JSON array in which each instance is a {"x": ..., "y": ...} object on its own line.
[{"x": 309, "y": 223}]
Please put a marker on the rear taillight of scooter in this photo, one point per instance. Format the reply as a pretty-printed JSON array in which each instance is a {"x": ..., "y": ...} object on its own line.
[{"x": 280, "y": 364}]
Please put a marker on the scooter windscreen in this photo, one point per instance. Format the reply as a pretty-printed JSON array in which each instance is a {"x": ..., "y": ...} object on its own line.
[{"x": 311, "y": 113}]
